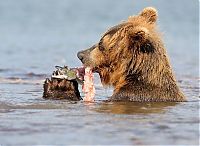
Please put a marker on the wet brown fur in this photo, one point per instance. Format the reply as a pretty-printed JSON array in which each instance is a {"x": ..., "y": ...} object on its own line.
[
  {"x": 132, "y": 58},
  {"x": 58, "y": 89}
]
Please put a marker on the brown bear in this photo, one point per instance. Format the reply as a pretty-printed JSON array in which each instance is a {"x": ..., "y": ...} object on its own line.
[{"x": 132, "y": 58}]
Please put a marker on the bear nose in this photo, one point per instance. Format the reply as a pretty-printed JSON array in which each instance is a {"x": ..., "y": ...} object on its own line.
[{"x": 80, "y": 55}]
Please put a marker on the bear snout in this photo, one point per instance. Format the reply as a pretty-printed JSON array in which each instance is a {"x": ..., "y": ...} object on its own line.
[{"x": 84, "y": 54}]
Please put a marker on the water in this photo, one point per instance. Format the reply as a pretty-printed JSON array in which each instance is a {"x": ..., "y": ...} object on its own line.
[{"x": 36, "y": 35}]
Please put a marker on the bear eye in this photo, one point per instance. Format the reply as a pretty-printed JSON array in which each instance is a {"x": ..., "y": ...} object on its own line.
[{"x": 147, "y": 48}]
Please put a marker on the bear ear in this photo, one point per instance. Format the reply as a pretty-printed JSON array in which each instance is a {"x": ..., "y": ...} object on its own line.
[
  {"x": 138, "y": 34},
  {"x": 150, "y": 14}
]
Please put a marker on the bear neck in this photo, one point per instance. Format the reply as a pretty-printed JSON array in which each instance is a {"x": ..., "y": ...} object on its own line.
[{"x": 140, "y": 89}]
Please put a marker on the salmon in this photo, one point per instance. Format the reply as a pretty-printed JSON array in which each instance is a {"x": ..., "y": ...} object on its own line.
[{"x": 88, "y": 85}]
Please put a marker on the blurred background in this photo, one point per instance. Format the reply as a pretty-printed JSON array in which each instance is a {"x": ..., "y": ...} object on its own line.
[{"x": 36, "y": 35}]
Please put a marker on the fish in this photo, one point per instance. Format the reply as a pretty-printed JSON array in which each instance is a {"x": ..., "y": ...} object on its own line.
[{"x": 88, "y": 86}]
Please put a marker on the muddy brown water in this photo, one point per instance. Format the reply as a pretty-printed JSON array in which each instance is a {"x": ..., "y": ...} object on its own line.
[{"x": 37, "y": 35}]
